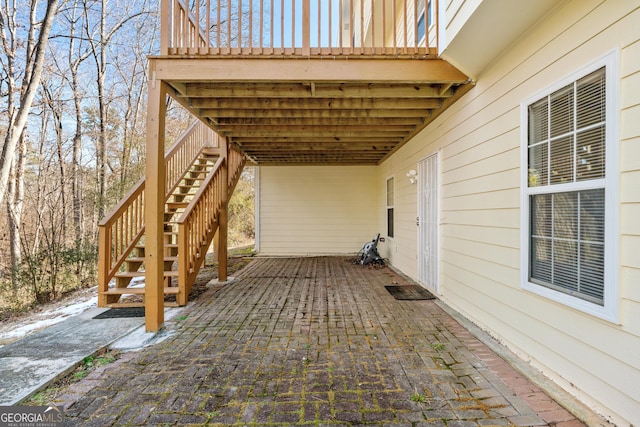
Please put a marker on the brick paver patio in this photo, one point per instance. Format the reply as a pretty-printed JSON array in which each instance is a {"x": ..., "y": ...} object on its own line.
[{"x": 312, "y": 341}]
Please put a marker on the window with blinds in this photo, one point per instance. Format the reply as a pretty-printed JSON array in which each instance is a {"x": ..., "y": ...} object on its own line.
[{"x": 566, "y": 149}]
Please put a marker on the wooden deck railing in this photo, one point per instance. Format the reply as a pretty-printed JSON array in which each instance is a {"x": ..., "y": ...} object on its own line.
[
  {"x": 299, "y": 27},
  {"x": 199, "y": 222},
  {"x": 121, "y": 229},
  {"x": 237, "y": 161}
]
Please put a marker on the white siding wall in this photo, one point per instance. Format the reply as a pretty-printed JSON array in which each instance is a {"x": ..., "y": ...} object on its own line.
[
  {"x": 472, "y": 33},
  {"x": 454, "y": 14},
  {"x": 479, "y": 139},
  {"x": 402, "y": 249},
  {"x": 316, "y": 210}
]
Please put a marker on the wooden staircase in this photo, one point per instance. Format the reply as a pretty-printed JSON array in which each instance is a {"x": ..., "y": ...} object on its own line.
[{"x": 192, "y": 165}]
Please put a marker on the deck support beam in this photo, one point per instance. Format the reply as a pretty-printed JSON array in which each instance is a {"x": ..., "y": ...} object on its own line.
[
  {"x": 312, "y": 69},
  {"x": 154, "y": 204},
  {"x": 222, "y": 233}
]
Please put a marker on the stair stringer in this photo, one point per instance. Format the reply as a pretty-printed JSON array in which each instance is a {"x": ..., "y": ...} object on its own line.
[{"x": 200, "y": 221}]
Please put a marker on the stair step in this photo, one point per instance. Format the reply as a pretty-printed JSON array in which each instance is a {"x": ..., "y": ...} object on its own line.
[
  {"x": 125, "y": 304},
  {"x": 132, "y": 274},
  {"x": 142, "y": 259},
  {"x": 137, "y": 291},
  {"x": 177, "y": 205},
  {"x": 138, "y": 304},
  {"x": 210, "y": 151},
  {"x": 180, "y": 198},
  {"x": 183, "y": 194},
  {"x": 166, "y": 246},
  {"x": 193, "y": 182}
]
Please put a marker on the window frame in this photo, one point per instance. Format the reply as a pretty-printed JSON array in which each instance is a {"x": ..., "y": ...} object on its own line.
[
  {"x": 609, "y": 309},
  {"x": 389, "y": 207}
]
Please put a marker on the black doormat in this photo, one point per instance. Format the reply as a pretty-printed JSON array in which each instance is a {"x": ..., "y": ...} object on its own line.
[
  {"x": 116, "y": 313},
  {"x": 409, "y": 292}
]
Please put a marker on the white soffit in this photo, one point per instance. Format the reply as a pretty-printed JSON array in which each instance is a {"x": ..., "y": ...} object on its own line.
[{"x": 491, "y": 28}]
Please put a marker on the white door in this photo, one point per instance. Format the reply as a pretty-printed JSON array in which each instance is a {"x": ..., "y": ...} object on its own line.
[{"x": 428, "y": 209}]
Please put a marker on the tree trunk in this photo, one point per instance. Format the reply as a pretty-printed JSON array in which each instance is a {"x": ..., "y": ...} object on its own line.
[
  {"x": 56, "y": 113},
  {"x": 31, "y": 82},
  {"x": 15, "y": 202},
  {"x": 75, "y": 164},
  {"x": 102, "y": 139},
  {"x": 75, "y": 60}
]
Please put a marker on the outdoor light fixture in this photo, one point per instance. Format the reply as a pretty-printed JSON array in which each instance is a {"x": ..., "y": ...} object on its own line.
[{"x": 413, "y": 176}]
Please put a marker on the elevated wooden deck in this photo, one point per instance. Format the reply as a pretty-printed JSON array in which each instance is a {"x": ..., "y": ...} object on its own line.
[
  {"x": 308, "y": 81},
  {"x": 290, "y": 82}
]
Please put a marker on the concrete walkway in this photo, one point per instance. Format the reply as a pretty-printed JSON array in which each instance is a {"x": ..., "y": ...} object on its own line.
[
  {"x": 314, "y": 341},
  {"x": 32, "y": 362}
]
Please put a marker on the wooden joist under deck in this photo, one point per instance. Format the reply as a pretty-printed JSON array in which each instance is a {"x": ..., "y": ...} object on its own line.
[
  {"x": 318, "y": 90},
  {"x": 313, "y": 110}
]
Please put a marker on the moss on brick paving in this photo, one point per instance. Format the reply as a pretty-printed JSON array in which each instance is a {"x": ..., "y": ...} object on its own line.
[{"x": 306, "y": 341}]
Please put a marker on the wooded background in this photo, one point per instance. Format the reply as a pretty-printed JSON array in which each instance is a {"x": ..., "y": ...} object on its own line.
[{"x": 73, "y": 86}]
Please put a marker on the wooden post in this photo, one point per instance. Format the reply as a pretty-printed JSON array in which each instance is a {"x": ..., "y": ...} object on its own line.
[
  {"x": 222, "y": 217},
  {"x": 154, "y": 204},
  {"x": 216, "y": 243},
  {"x": 183, "y": 264},
  {"x": 104, "y": 258}
]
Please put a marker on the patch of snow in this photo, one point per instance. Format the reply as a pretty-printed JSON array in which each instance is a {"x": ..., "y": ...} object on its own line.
[{"x": 14, "y": 330}]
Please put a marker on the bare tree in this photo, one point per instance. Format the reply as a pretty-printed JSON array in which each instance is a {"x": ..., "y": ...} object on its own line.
[
  {"x": 77, "y": 51},
  {"x": 131, "y": 69},
  {"x": 53, "y": 194},
  {"x": 15, "y": 202},
  {"x": 43, "y": 240},
  {"x": 99, "y": 37},
  {"x": 19, "y": 100},
  {"x": 53, "y": 99}
]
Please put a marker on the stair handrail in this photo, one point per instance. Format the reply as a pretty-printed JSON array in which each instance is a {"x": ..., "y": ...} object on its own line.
[
  {"x": 182, "y": 154},
  {"x": 237, "y": 160},
  {"x": 120, "y": 230},
  {"x": 199, "y": 221}
]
